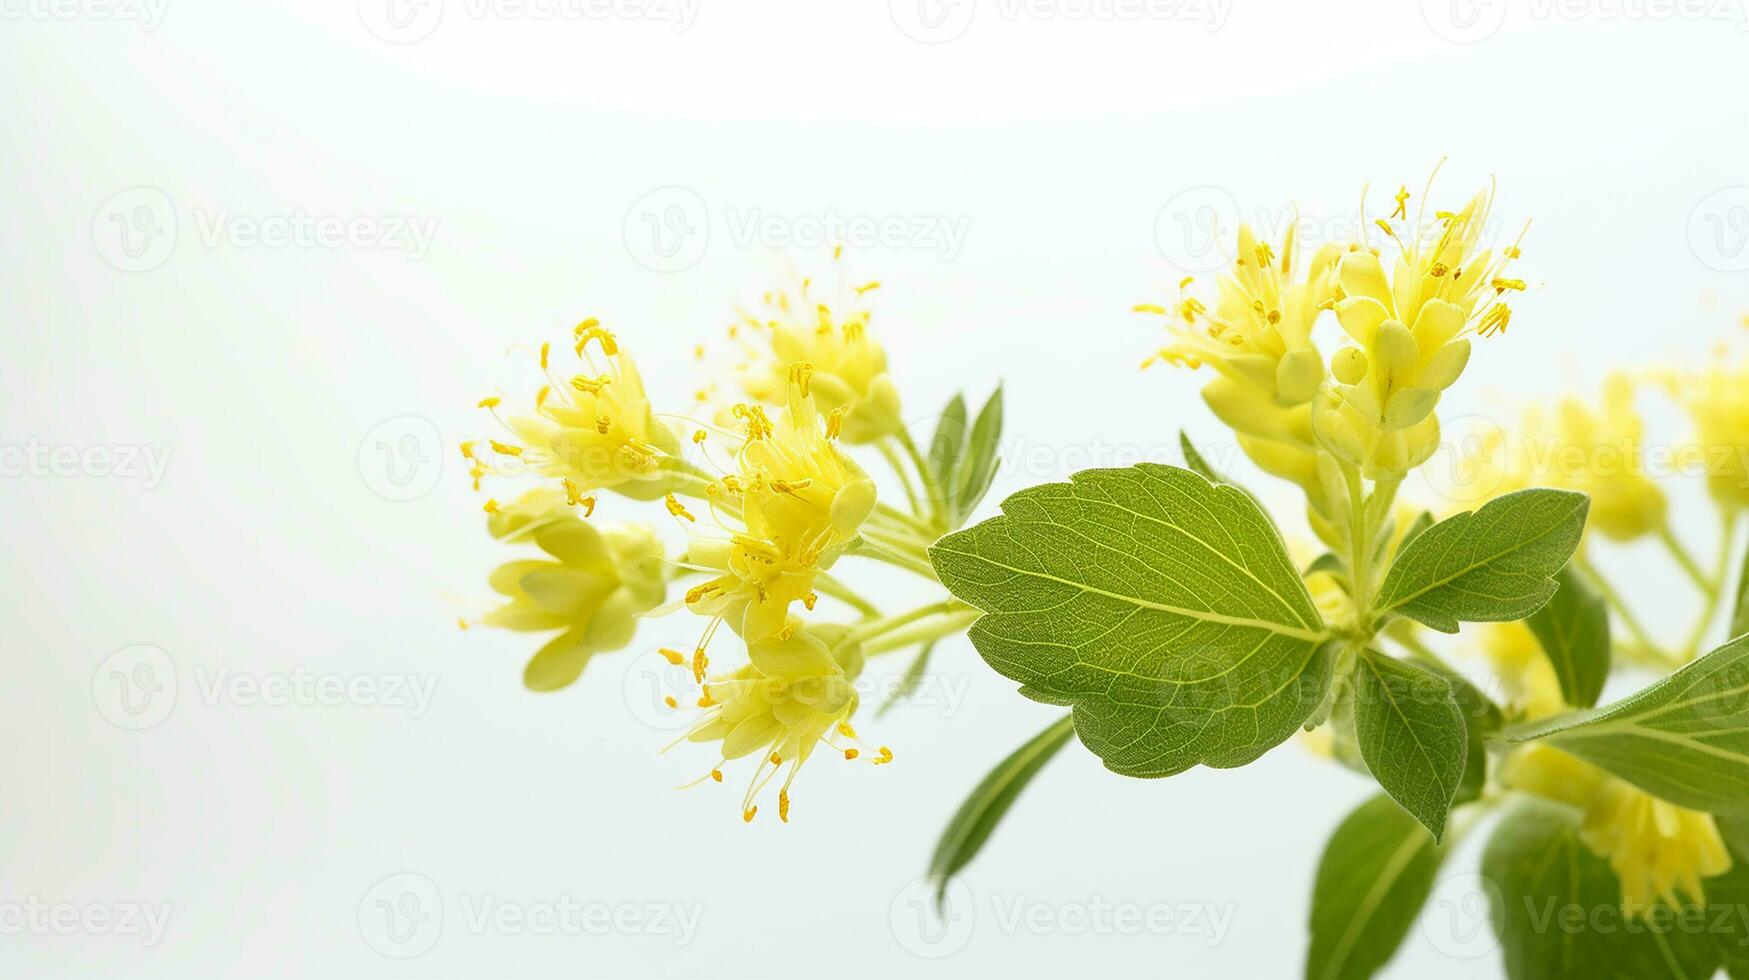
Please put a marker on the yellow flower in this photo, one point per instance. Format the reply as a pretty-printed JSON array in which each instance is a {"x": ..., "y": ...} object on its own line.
[
  {"x": 1658, "y": 850},
  {"x": 1526, "y": 676},
  {"x": 1411, "y": 334},
  {"x": 1259, "y": 334},
  {"x": 798, "y": 502},
  {"x": 598, "y": 582},
  {"x": 1599, "y": 453},
  {"x": 849, "y": 368},
  {"x": 796, "y": 692},
  {"x": 595, "y": 429},
  {"x": 1258, "y": 338},
  {"x": 1718, "y": 401}
]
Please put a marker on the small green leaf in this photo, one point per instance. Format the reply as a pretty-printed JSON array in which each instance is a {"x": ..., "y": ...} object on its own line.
[
  {"x": 1685, "y": 738},
  {"x": 949, "y": 441},
  {"x": 1574, "y": 632},
  {"x": 1490, "y": 565},
  {"x": 1481, "y": 717},
  {"x": 1195, "y": 463},
  {"x": 1412, "y": 735},
  {"x": 983, "y": 810},
  {"x": 909, "y": 679},
  {"x": 976, "y": 471},
  {"x": 1376, "y": 873},
  {"x": 1161, "y": 606},
  {"x": 1558, "y": 909}
]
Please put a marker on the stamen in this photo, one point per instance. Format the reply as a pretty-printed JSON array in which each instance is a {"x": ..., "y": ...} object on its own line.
[{"x": 678, "y": 509}]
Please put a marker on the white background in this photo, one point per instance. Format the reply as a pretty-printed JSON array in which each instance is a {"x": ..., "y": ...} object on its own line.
[{"x": 274, "y": 544}]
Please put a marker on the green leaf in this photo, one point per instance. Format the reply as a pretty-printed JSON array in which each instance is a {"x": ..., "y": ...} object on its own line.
[
  {"x": 1195, "y": 463},
  {"x": 1412, "y": 735},
  {"x": 1376, "y": 873},
  {"x": 909, "y": 679},
  {"x": 1423, "y": 521},
  {"x": 1685, "y": 738},
  {"x": 1481, "y": 717},
  {"x": 949, "y": 440},
  {"x": 1558, "y": 909},
  {"x": 1489, "y": 565},
  {"x": 1161, "y": 606},
  {"x": 1574, "y": 632},
  {"x": 975, "y": 472},
  {"x": 973, "y": 822}
]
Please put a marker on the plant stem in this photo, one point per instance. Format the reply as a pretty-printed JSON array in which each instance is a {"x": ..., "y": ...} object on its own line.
[
  {"x": 902, "y": 519},
  {"x": 875, "y": 549},
  {"x": 886, "y": 450},
  {"x": 888, "y": 624},
  {"x": 921, "y": 633},
  {"x": 845, "y": 594},
  {"x": 937, "y": 501},
  {"x": 1359, "y": 544},
  {"x": 1714, "y": 596},
  {"x": 1689, "y": 565},
  {"x": 1616, "y": 602}
]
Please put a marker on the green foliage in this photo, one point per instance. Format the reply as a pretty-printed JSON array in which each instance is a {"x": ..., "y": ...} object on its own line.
[
  {"x": 1685, "y": 738},
  {"x": 1162, "y": 607},
  {"x": 964, "y": 459},
  {"x": 1574, "y": 632},
  {"x": 1494, "y": 564},
  {"x": 1412, "y": 735},
  {"x": 978, "y": 816},
  {"x": 1373, "y": 879},
  {"x": 1558, "y": 909},
  {"x": 1740, "y": 617}
]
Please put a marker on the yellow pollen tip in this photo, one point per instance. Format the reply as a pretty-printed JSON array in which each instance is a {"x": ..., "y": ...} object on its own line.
[
  {"x": 851, "y": 753},
  {"x": 698, "y": 437},
  {"x": 886, "y": 756},
  {"x": 491, "y": 507},
  {"x": 1502, "y": 285},
  {"x": 1153, "y": 308},
  {"x": 776, "y": 760},
  {"x": 678, "y": 509},
  {"x": 505, "y": 449},
  {"x": 491, "y": 402},
  {"x": 845, "y": 730},
  {"x": 867, "y": 287},
  {"x": 459, "y": 621},
  {"x": 467, "y": 450},
  {"x": 717, "y": 774},
  {"x": 545, "y": 351},
  {"x": 670, "y": 702},
  {"x": 748, "y": 815},
  {"x": 674, "y": 657},
  {"x": 783, "y": 805},
  {"x": 699, "y": 663}
]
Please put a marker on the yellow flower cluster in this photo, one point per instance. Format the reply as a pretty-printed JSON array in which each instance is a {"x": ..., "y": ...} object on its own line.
[
  {"x": 764, "y": 529},
  {"x": 1658, "y": 850}
]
